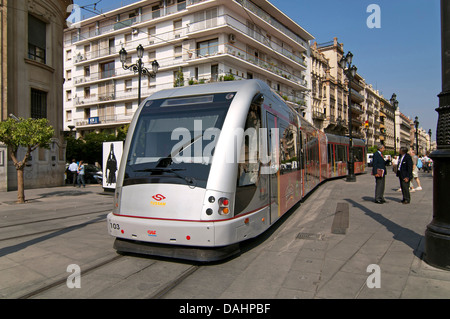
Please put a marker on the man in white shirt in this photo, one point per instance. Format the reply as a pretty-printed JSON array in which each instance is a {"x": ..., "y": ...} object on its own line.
[{"x": 73, "y": 169}]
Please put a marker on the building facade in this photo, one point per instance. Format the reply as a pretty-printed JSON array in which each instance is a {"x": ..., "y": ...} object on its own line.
[
  {"x": 193, "y": 41},
  {"x": 32, "y": 83}
]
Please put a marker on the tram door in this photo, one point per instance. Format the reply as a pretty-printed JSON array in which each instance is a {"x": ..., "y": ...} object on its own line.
[{"x": 274, "y": 167}]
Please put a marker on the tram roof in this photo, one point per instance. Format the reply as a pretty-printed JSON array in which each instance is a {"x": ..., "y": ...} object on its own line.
[{"x": 217, "y": 87}]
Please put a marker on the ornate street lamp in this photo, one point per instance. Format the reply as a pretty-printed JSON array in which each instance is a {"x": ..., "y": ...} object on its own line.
[
  {"x": 138, "y": 67},
  {"x": 437, "y": 235},
  {"x": 350, "y": 73},
  {"x": 429, "y": 134},
  {"x": 394, "y": 104},
  {"x": 416, "y": 125}
]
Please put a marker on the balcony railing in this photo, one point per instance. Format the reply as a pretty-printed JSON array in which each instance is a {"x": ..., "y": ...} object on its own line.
[
  {"x": 248, "y": 57},
  {"x": 271, "y": 21},
  {"x": 113, "y": 25},
  {"x": 227, "y": 20}
]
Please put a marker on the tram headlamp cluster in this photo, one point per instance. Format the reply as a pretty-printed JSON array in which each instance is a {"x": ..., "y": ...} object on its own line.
[{"x": 224, "y": 206}]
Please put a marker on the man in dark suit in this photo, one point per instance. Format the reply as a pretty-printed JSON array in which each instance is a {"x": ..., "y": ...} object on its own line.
[
  {"x": 379, "y": 171},
  {"x": 404, "y": 173}
]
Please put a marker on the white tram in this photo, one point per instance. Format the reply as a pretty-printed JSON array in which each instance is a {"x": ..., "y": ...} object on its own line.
[{"x": 205, "y": 167}]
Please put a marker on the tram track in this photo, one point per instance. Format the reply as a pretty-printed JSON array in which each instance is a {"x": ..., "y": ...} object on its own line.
[
  {"x": 64, "y": 280},
  {"x": 56, "y": 229},
  {"x": 55, "y": 218}
]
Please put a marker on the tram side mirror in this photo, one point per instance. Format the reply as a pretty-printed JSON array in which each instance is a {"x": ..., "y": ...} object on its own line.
[{"x": 258, "y": 99}]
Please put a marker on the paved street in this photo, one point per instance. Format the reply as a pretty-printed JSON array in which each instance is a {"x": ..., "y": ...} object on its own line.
[{"x": 307, "y": 255}]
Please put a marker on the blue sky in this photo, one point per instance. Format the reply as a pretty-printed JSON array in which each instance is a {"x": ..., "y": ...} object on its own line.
[{"x": 403, "y": 56}]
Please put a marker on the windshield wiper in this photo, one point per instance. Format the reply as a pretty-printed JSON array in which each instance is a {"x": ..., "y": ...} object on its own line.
[{"x": 190, "y": 180}]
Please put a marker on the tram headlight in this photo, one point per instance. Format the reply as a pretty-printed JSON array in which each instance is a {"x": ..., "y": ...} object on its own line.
[{"x": 224, "y": 208}]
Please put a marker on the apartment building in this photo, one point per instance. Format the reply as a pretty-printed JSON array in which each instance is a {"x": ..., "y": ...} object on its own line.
[
  {"x": 372, "y": 115},
  {"x": 330, "y": 91},
  {"x": 31, "y": 84},
  {"x": 193, "y": 41}
]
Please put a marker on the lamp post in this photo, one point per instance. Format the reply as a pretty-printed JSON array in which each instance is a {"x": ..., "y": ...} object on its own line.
[
  {"x": 138, "y": 67},
  {"x": 350, "y": 73},
  {"x": 429, "y": 134},
  {"x": 416, "y": 125},
  {"x": 394, "y": 104},
  {"x": 437, "y": 235}
]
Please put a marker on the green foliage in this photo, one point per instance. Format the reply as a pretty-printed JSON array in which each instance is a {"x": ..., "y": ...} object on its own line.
[
  {"x": 89, "y": 148},
  {"x": 27, "y": 133},
  {"x": 179, "y": 79}
]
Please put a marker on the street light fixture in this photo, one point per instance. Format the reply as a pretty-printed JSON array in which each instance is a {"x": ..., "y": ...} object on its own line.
[
  {"x": 394, "y": 104},
  {"x": 350, "y": 72},
  {"x": 416, "y": 124},
  {"x": 138, "y": 67},
  {"x": 429, "y": 134}
]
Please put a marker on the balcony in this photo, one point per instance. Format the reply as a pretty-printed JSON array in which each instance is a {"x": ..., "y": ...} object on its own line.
[
  {"x": 263, "y": 15},
  {"x": 259, "y": 65},
  {"x": 111, "y": 26},
  {"x": 104, "y": 120},
  {"x": 356, "y": 96},
  {"x": 260, "y": 39}
]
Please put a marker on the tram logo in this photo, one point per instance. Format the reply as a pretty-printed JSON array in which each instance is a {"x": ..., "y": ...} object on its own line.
[
  {"x": 158, "y": 197},
  {"x": 158, "y": 200}
]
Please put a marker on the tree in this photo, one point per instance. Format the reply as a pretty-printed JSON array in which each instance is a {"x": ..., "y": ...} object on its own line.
[{"x": 27, "y": 133}]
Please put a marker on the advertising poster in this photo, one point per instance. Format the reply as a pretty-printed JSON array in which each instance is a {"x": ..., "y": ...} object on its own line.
[{"x": 112, "y": 154}]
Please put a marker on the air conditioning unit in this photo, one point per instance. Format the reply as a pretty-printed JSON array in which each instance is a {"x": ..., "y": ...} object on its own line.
[
  {"x": 231, "y": 38},
  {"x": 135, "y": 31}
]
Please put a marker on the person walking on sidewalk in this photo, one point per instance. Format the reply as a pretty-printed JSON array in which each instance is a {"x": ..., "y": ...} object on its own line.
[
  {"x": 379, "y": 171},
  {"x": 73, "y": 168},
  {"x": 81, "y": 173},
  {"x": 415, "y": 171},
  {"x": 404, "y": 173}
]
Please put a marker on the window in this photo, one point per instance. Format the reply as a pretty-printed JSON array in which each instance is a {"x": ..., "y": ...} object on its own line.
[
  {"x": 128, "y": 85},
  {"x": 69, "y": 95},
  {"x": 206, "y": 48},
  {"x": 249, "y": 164},
  {"x": 214, "y": 72},
  {"x": 87, "y": 71},
  {"x": 69, "y": 75},
  {"x": 178, "y": 52},
  {"x": 68, "y": 116},
  {"x": 38, "y": 104},
  {"x": 87, "y": 92},
  {"x": 177, "y": 24},
  {"x": 68, "y": 55},
  {"x": 37, "y": 39},
  {"x": 128, "y": 108},
  {"x": 288, "y": 146},
  {"x": 107, "y": 69}
]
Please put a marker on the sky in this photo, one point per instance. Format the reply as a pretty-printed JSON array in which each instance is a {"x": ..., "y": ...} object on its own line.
[{"x": 402, "y": 56}]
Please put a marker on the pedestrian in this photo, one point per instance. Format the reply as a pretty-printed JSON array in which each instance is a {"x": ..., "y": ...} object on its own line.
[
  {"x": 379, "y": 171},
  {"x": 404, "y": 173},
  {"x": 415, "y": 160},
  {"x": 73, "y": 168},
  {"x": 81, "y": 173},
  {"x": 394, "y": 164}
]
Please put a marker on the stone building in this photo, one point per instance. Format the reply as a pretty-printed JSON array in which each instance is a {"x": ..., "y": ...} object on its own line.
[{"x": 31, "y": 40}]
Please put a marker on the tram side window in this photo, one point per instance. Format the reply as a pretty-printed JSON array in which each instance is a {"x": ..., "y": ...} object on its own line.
[
  {"x": 249, "y": 165},
  {"x": 288, "y": 145},
  {"x": 330, "y": 154},
  {"x": 341, "y": 153},
  {"x": 358, "y": 154},
  {"x": 248, "y": 169}
]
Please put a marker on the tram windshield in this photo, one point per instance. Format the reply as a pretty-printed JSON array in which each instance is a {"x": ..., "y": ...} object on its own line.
[{"x": 174, "y": 140}]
